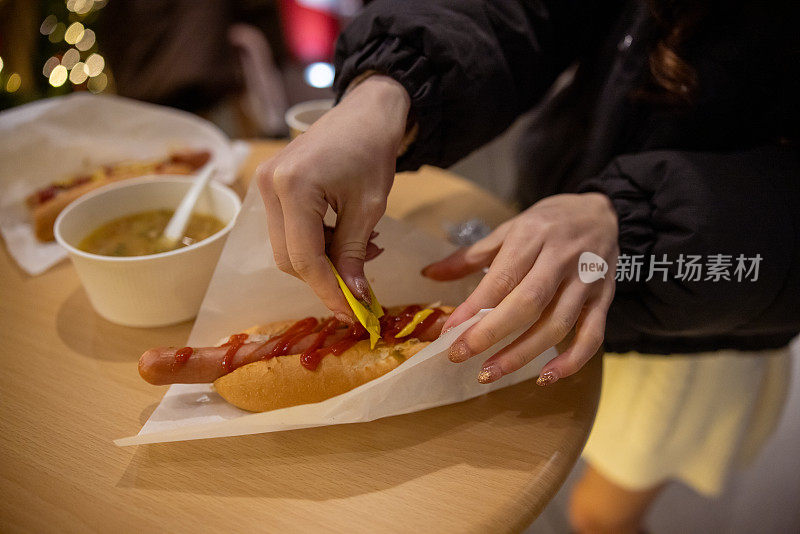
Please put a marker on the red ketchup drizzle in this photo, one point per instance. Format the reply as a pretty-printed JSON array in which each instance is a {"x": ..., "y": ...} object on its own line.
[
  {"x": 282, "y": 343},
  {"x": 294, "y": 334},
  {"x": 182, "y": 356},
  {"x": 425, "y": 324},
  {"x": 308, "y": 358},
  {"x": 394, "y": 324},
  {"x": 355, "y": 334},
  {"x": 46, "y": 193},
  {"x": 43, "y": 195},
  {"x": 234, "y": 343}
]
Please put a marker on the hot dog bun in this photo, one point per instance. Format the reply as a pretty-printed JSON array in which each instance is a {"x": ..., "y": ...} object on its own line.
[
  {"x": 44, "y": 215},
  {"x": 282, "y": 381}
]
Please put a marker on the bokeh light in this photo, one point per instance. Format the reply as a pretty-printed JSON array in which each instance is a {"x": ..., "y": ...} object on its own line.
[
  {"x": 78, "y": 74},
  {"x": 49, "y": 65},
  {"x": 87, "y": 42},
  {"x": 70, "y": 58},
  {"x": 58, "y": 33},
  {"x": 85, "y": 7},
  {"x": 94, "y": 65},
  {"x": 74, "y": 33},
  {"x": 48, "y": 25},
  {"x": 13, "y": 83},
  {"x": 67, "y": 61},
  {"x": 319, "y": 75},
  {"x": 98, "y": 83},
  {"x": 82, "y": 7},
  {"x": 58, "y": 76}
]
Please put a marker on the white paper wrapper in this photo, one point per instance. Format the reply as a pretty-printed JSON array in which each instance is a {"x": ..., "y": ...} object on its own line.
[
  {"x": 248, "y": 289},
  {"x": 51, "y": 140}
]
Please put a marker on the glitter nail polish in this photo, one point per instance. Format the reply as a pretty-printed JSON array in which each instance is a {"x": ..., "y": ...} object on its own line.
[
  {"x": 489, "y": 374},
  {"x": 459, "y": 352},
  {"x": 547, "y": 378}
]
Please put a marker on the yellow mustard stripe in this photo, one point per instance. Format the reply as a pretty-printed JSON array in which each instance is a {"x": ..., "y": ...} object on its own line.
[{"x": 418, "y": 318}]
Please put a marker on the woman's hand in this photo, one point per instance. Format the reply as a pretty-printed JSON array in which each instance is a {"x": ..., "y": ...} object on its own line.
[
  {"x": 533, "y": 276},
  {"x": 346, "y": 160}
]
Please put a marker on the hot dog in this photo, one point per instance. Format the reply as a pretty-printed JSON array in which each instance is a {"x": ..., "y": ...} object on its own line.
[
  {"x": 46, "y": 203},
  {"x": 296, "y": 362}
]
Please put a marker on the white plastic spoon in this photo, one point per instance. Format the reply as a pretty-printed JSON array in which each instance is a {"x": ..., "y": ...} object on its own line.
[{"x": 177, "y": 224}]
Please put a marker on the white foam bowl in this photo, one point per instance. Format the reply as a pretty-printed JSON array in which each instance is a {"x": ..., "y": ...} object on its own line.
[{"x": 154, "y": 290}]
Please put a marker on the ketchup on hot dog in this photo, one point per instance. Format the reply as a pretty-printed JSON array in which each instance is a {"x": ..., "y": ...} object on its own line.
[
  {"x": 310, "y": 358},
  {"x": 234, "y": 343}
]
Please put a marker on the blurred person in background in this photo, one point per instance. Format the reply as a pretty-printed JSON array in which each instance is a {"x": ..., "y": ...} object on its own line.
[
  {"x": 174, "y": 53},
  {"x": 675, "y": 142},
  {"x": 190, "y": 54},
  {"x": 198, "y": 55}
]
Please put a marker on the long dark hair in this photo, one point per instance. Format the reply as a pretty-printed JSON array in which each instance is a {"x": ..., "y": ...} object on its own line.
[{"x": 673, "y": 80}]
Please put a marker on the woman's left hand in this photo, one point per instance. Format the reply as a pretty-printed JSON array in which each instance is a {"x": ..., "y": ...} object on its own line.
[{"x": 533, "y": 277}]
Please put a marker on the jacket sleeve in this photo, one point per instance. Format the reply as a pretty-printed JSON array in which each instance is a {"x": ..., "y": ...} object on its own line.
[
  {"x": 470, "y": 66},
  {"x": 672, "y": 205}
]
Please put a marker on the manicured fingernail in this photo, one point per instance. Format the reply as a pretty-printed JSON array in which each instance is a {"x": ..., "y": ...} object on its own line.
[
  {"x": 343, "y": 317},
  {"x": 489, "y": 374},
  {"x": 425, "y": 271},
  {"x": 459, "y": 352},
  {"x": 547, "y": 378},
  {"x": 374, "y": 234},
  {"x": 362, "y": 290}
]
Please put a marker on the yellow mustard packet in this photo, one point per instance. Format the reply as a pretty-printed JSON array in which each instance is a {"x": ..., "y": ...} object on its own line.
[{"x": 368, "y": 317}]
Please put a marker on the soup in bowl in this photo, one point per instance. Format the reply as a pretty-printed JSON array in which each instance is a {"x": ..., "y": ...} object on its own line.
[{"x": 151, "y": 287}]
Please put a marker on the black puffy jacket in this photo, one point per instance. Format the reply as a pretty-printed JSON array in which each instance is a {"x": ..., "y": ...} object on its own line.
[{"x": 719, "y": 179}]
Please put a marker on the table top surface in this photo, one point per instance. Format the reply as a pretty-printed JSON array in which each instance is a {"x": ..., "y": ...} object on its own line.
[{"x": 69, "y": 386}]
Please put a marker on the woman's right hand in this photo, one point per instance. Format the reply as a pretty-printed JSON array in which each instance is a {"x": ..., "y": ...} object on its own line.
[{"x": 346, "y": 160}]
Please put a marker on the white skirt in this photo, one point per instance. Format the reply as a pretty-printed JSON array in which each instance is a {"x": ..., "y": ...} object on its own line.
[{"x": 691, "y": 418}]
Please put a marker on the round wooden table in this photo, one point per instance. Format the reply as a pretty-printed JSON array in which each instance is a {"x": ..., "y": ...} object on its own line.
[{"x": 69, "y": 386}]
